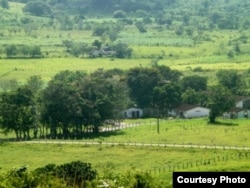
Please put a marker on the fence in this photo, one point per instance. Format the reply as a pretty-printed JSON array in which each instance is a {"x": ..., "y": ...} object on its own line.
[
  {"x": 201, "y": 162},
  {"x": 240, "y": 153}
]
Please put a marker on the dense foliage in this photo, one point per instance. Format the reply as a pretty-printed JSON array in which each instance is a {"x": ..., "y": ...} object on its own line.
[
  {"x": 228, "y": 14},
  {"x": 73, "y": 174},
  {"x": 75, "y": 102}
]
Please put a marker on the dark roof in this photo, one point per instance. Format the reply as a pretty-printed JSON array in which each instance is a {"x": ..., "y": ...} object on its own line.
[
  {"x": 185, "y": 107},
  {"x": 235, "y": 109},
  {"x": 241, "y": 98}
]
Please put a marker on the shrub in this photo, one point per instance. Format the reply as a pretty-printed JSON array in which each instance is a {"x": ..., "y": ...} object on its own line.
[
  {"x": 119, "y": 14},
  {"x": 76, "y": 172}
]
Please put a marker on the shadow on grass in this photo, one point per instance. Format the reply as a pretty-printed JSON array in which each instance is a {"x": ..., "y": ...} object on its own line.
[
  {"x": 88, "y": 135},
  {"x": 103, "y": 134},
  {"x": 223, "y": 123}
]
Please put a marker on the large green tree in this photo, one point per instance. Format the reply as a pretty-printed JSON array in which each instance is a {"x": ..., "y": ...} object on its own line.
[
  {"x": 220, "y": 101},
  {"x": 74, "y": 99},
  {"x": 167, "y": 74},
  {"x": 36, "y": 84},
  {"x": 190, "y": 96},
  {"x": 232, "y": 80},
  {"x": 17, "y": 112},
  {"x": 105, "y": 95},
  {"x": 61, "y": 103},
  {"x": 141, "y": 82},
  {"x": 38, "y": 8},
  {"x": 167, "y": 96},
  {"x": 198, "y": 83},
  {"x": 4, "y": 4}
]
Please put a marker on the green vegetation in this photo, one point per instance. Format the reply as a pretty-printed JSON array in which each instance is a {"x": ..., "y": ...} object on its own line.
[
  {"x": 117, "y": 161},
  {"x": 68, "y": 66}
]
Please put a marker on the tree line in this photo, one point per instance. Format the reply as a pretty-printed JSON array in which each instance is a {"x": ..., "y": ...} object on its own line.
[
  {"x": 22, "y": 51},
  {"x": 73, "y": 101},
  {"x": 201, "y": 14}
]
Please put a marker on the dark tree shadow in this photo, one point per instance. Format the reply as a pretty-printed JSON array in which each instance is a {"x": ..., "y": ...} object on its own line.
[
  {"x": 103, "y": 134},
  {"x": 223, "y": 123},
  {"x": 87, "y": 135}
]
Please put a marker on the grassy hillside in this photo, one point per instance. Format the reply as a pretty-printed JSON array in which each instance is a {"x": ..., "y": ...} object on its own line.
[{"x": 194, "y": 47}]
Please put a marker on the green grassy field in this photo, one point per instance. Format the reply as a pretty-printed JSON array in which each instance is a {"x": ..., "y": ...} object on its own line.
[
  {"x": 22, "y": 69},
  {"x": 193, "y": 131},
  {"x": 207, "y": 50},
  {"x": 179, "y": 131},
  {"x": 160, "y": 161}
]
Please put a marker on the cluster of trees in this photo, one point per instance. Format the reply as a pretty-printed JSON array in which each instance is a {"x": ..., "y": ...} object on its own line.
[
  {"x": 23, "y": 51},
  {"x": 96, "y": 49},
  {"x": 74, "y": 101},
  {"x": 74, "y": 174},
  {"x": 221, "y": 14},
  {"x": 187, "y": 19},
  {"x": 4, "y": 4}
]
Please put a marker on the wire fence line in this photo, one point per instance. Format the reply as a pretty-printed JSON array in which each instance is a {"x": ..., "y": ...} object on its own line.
[
  {"x": 198, "y": 163},
  {"x": 241, "y": 153},
  {"x": 138, "y": 144}
]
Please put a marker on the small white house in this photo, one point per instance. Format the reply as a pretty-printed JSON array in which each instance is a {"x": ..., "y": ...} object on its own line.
[
  {"x": 191, "y": 111},
  {"x": 132, "y": 113}
]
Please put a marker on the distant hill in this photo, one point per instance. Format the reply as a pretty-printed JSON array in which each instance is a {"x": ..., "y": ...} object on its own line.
[{"x": 208, "y": 14}]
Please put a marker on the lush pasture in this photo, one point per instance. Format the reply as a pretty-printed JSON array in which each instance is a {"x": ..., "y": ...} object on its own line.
[
  {"x": 180, "y": 131},
  {"x": 194, "y": 131},
  {"x": 120, "y": 159},
  {"x": 21, "y": 69},
  {"x": 47, "y": 68},
  {"x": 207, "y": 50},
  {"x": 157, "y": 160}
]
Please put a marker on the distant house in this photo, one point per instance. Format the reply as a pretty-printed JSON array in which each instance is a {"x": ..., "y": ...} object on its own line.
[
  {"x": 102, "y": 52},
  {"x": 242, "y": 102},
  {"x": 190, "y": 111},
  {"x": 236, "y": 112},
  {"x": 241, "y": 108},
  {"x": 132, "y": 113}
]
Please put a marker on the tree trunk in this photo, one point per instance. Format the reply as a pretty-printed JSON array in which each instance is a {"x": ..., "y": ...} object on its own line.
[
  {"x": 96, "y": 129},
  {"x": 17, "y": 134},
  {"x": 212, "y": 118}
]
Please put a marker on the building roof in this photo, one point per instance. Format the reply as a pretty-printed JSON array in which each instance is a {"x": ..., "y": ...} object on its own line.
[
  {"x": 133, "y": 108},
  {"x": 241, "y": 98},
  {"x": 185, "y": 107},
  {"x": 236, "y": 109}
]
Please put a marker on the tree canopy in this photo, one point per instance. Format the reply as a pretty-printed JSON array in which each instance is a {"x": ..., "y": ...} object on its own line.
[
  {"x": 75, "y": 99},
  {"x": 17, "y": 112},
  {"x": 220, "y": 101},
  {"x": 232, "y": 80}
]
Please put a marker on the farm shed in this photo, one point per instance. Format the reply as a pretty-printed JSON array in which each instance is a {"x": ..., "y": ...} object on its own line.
[
  {"x": 132, "y": 113},
  {"x": 190, "y": 111},
  {"x": 242, "y": 102},
  {"x": 237, "y": 113}
]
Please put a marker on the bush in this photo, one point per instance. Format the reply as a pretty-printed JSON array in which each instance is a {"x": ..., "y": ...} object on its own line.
[
  {"x": 119, "y": 14},
  {"x": 122, "y": 50},
  {"x": 38, "y": 9},
  {"x": 76, "y": 172},
  {"x": 23, "y": 51}
]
